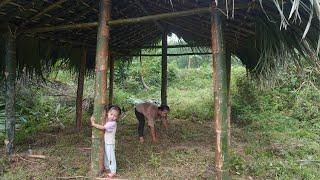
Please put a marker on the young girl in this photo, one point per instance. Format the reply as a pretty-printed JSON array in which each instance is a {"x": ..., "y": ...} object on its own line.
[{"x": 109, "y": 128}]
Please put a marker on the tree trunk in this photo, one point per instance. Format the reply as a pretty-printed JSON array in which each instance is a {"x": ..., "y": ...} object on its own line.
[
  {"x": 80, "y": 89},
  {"x": 100, "y": 100},
  {"x": 228, "y": 64},
  {"x": 220, "y": 97},
  {"x": 111, "y": 80},
  {"x": 10, "y": 77},
  {"x": 164, "y": 71},
  {"x": 146, "y": 87}
]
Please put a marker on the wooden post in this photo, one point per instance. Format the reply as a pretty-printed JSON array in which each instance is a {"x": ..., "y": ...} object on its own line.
[
  {"x": 164, "y": 71},
  {"x": 111, "y": 80},
  {"x": 220, "y": 97},
  {"x": 100, "y": 99},
  {"x": 80, "y": 89},
  {"x": 10, "y": 77},
  {"x": 228, "y": 64}
]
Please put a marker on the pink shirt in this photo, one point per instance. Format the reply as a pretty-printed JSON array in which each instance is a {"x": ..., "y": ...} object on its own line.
[{"x": 110, "y": 132}]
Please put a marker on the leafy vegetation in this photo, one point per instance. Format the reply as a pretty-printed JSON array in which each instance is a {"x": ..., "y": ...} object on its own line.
[{"x": 275, "y": 126}]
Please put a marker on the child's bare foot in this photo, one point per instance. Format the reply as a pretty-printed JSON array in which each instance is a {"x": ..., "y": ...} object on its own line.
[
  {"x": 141, "y": 140},
  {"x": 111, "y": 175}
]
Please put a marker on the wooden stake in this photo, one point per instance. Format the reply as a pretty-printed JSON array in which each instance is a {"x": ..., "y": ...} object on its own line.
[
  {"x": 100, "y": 100},
  {"x": 220, "y": 97},
  {"x": 80, "y": 89},
  {"x": 164, "y": 67}
]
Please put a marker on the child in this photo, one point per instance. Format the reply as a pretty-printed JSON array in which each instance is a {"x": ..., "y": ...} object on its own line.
[{"x": 109, "y": 128}]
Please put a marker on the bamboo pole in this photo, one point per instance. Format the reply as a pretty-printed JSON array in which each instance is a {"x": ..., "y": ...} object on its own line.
[
  {"x": 153, "y": 55},
  {"x": 159, "y": 16},
  {"x": 164, "y": 71},
  {"x": 220, "y": 97},
  {"x": 176, "y": 46},
  {"x": 146, "y": 12},
  {"x": 4, "y": 2},
  {"x": 228, "y": 64},
  {"x": 49, "y": 8},
  {"x": 10, "y": 77},
  {"x": 61, "y": 27},
  {"x": 100, "y": 100},
  {"x": 111, "y": 77},
  {"x": 80, "y": 89}
]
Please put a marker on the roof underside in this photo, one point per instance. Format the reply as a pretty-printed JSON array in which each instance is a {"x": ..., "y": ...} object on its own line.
[{"x": 247, "y": 29}]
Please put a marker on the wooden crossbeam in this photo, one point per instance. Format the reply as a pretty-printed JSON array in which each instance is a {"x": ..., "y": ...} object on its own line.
[
  {"x": 146, "y": 12},
  {"x": 180, "y": 54},
  {"x": 174, "y": 46},
  {"x": 116, "y": 22},
  {"x": 62, "y": 27},
  {"x": 49, "y": 8},
  {"x": 4, "y": 2},
  {"x": 159, "y": 16}
]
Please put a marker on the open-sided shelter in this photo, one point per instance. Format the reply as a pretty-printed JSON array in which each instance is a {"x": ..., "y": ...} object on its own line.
[{"x": 264, "y": 34}]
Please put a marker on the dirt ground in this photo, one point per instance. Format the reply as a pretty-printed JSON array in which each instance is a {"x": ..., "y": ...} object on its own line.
[{"x": 185, "y": 151}]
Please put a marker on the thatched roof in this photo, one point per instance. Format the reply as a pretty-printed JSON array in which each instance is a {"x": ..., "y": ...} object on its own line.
[{"x": 260, "y": 32}]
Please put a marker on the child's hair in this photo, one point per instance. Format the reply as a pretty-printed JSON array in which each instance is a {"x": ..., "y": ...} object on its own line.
[
  {"x": 164, "y": 107},
  {"x": 115, "y": 107}
]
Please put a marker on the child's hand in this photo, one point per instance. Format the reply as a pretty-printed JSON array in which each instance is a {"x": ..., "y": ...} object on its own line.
[{"x": 92, "y": 119}]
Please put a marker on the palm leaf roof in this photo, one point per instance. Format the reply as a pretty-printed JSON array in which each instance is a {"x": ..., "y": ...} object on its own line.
[{"x": 263, "y": 34}]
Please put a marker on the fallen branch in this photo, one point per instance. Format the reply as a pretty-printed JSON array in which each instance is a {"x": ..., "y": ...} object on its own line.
[
  {"x": 26, "y": 159},
  {"x": 303, "y": 162},
  {"x": 36, "y": 156},
  {"x": 73, "y": 177},
  {"x": 85, "y": 149},
  {"x": 114, "y": 178}
]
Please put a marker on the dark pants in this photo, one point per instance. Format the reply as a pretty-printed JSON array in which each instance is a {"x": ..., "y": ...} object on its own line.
[{"x": 141, "y": 120}]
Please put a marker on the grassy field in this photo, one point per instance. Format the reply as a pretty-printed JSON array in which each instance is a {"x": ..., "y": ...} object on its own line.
[{"x": 268, "y": 141}]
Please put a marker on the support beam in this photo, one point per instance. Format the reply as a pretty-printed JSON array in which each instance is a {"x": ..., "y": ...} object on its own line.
[
  {"x": 111, "y": 79},
  {"x": 49, "y": 8},
  {"x": 4, "y": 2},
  {"x": 220, "y": 97},
  {"x": 120, "y": 21},
  {"x": 164, "y": 71},
  {"x": 100, "y": 99},
  {"x": 10, "y": 77},
  {"x": 146, "y": 12},
  {"x": 62, "y": 27},
  {"x": 82, "y": 69},
  {"x": 157, "y": 55},
  {"x": 177, "y": 46},
  {"x": 159, "y": 16}
]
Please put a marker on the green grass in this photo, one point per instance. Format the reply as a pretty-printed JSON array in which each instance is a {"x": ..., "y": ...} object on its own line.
[{"x": 272, "y": 131}]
